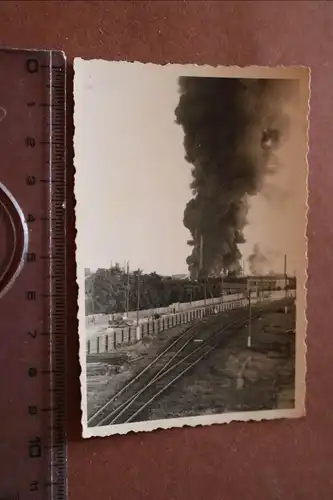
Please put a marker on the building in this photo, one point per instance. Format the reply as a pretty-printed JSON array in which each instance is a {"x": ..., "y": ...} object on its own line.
[{"x": 180, "y": 276}]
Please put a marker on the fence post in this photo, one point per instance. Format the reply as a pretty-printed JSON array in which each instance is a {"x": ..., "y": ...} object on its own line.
[
  {"x": 122, "y": 336},
  {"x": 88, "y": 347},
  {"x": 106, "y": 343},
  {"x": 97, "y": 345},
  {"x": 114, "y": 340},
  {"x": 139, "y": 332}
]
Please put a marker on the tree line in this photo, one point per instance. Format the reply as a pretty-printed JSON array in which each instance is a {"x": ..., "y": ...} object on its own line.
[{"x": 114, "y": 290}]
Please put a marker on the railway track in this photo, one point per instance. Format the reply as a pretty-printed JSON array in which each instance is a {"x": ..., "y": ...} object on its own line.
[
  {"x": 177, "y": 359},
  {"x": 193, "y": 345}
]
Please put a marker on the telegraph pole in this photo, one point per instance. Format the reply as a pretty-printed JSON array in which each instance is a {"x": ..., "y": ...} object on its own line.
[
  {"x": 285, "y": 276},
  {"x": 127, "y": 289},
  {"x": 222, "y": 288},
  {"x": 201, "y": 268},
  {"x": 249, "y": 333},
  {"x": 201, "y": 252},
  {"x": 138, "y": 308}
]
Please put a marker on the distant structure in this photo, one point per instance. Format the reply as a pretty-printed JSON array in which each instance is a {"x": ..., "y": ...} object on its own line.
[
  {"x": 278, "y": 281},
  {"x": 88, "y": 291},
  {"x": 87, "y": 272},
  {"x": 180, "y": 276}
]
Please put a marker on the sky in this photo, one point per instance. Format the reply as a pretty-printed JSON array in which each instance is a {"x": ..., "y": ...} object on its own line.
[{"x": 133, "y": 183}]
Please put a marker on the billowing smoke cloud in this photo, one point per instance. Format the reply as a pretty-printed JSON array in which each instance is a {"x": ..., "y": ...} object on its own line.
[
  {"x": 232, "y": 128},
  {"x": 257, "y": 262}
]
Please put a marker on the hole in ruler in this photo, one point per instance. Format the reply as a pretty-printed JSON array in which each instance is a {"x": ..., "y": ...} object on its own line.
[
  {"x": 13, "y": 239},
  {"x": 3, "y": 113}
]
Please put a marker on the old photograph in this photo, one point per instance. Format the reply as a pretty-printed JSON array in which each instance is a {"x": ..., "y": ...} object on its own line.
[{"x": 191, "y": 250}]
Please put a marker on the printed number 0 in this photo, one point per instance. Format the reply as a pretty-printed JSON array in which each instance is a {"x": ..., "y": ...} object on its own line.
[{"x": 32, "y": 66}]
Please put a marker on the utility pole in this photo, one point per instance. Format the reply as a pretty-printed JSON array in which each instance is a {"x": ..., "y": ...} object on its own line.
[
  {"x": 138, "y": 336},
  {"x": 201, "y": 268},
  {"x": 127, "y": 290},
  {"x": 201, "y": 252},
  {"x": 285, "y": 276},
  {"x": 222, "y": 289},
  {"x": 249, "y": 333}
]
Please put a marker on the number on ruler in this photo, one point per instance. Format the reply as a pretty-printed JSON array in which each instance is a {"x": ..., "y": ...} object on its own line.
[
  {"x": 35, "y": 448},
  {"x": 34, "y": 486},
  {"x": 31, "y": 180},
  {"x": 30, "y": 142},
  {"x": 32, "y": 409},
  {"x": 33, "y": 333},
  {"x": 32, "y": 66},
  {"x": 31, "y": 257},
  {"x": 31, "y": 218},
  {"x": 32, "y": 372},
  {"x": 31, "y": 295}
]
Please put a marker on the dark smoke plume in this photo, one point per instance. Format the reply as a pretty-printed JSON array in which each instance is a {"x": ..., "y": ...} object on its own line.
[
  {"x": 257, "y": 261},
  {"x": 231, "y": 129}
]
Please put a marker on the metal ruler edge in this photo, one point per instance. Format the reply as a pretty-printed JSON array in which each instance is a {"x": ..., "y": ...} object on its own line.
[{"x": 51, "y": 448}]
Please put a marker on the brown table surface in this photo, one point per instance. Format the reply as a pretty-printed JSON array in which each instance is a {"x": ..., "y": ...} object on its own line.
[{"x": 261, "y": 461}]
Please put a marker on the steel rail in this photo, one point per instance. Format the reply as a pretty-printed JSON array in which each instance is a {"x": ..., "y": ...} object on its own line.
[
  {"x": 144, "y": 370},
  {"x": 118, "y": 412},
  {"x": 155, "y": 377},
  {"x": 165, "y": 387}
]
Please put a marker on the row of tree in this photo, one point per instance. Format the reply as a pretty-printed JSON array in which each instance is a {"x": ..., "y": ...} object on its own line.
[{"x": 116, "y": 290}]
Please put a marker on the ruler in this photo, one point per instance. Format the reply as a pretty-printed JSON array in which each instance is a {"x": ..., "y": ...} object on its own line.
[{"x": 32, "y": 274}]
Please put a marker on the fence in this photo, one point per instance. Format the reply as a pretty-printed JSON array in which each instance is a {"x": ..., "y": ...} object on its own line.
[
  {"x": 108, "y": 342},
  {"x": 99, "y": 319}
]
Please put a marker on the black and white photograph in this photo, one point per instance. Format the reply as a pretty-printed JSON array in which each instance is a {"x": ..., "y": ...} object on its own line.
[{"x": 191, "y": 249}]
